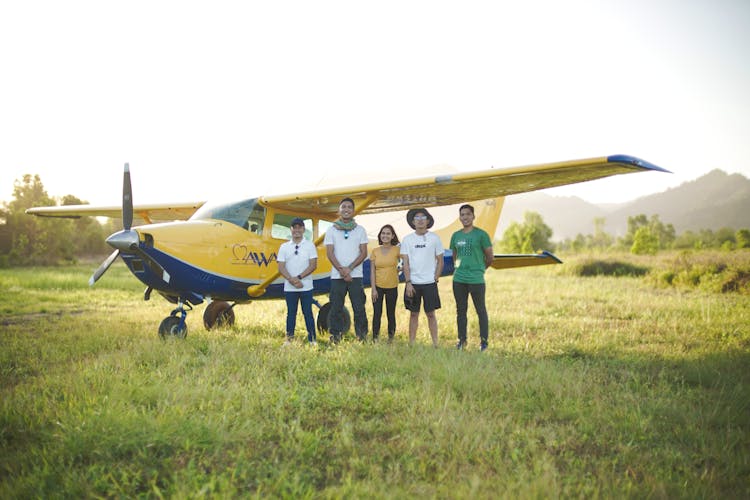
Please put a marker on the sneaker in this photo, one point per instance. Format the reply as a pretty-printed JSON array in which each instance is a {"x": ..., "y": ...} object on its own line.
[
  {"x": 483, "y": 347},
  {"x": 460, "y": 346},
  {"x": 287, "y": 342},
  {"x": 313, "y": 343}
]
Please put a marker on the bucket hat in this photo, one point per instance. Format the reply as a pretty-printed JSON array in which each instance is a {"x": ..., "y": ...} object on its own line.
[{"x": 414, "y": 211}]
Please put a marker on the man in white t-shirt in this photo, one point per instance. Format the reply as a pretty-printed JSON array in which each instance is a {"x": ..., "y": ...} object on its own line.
[
  {"x": 297, "y": 259},
  {"x": 422, "y": 255},
  {"x": 346, "y": 248}
]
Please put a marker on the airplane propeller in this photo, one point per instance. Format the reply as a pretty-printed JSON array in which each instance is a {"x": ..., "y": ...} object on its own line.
[{"x": 127, "y": 240}]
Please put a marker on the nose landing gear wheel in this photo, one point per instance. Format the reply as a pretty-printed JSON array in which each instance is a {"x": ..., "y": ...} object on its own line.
[
  {"x": 219, "y": 314},
  {"x": 172, "y": 327}
]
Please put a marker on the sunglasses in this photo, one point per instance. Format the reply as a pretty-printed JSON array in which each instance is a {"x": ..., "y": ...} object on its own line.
[
  {"x": 296, "y": 249},
  {"x": 420, "y": 217},
  {"x": 346, "y": 235}
]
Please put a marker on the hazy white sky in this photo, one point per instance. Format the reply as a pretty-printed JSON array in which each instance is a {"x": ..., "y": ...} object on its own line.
[{"x": 238, "y": 99}]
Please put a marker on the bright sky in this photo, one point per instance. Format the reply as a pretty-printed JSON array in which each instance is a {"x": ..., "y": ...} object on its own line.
[{"x": 237, "y": 99}]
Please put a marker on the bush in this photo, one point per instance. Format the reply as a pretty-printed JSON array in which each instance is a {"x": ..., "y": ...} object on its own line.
[
  {"x": 599, "y": 267},
  {"x": 716, "y": 272},
  {"x": 736, "y": 281}
]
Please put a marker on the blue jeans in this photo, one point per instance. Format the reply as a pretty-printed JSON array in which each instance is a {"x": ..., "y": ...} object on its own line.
[
  {"x": 306, "y": 299},
  {"x": 339, "y": 289},
  {"x": 461, "y": 292}
]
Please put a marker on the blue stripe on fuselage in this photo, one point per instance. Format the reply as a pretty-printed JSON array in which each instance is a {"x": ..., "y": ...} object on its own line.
[{"x": 193, "y": 284}]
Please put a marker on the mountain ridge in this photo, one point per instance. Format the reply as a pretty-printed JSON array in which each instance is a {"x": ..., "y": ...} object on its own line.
[{"x": 712, "y": 201}]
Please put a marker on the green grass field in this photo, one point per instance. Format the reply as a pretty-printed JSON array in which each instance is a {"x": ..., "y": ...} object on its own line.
[{"x": 594, "y": 387}]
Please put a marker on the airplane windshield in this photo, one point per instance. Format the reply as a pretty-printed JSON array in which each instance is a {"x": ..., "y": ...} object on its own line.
[{"x": 247, "y": 214}]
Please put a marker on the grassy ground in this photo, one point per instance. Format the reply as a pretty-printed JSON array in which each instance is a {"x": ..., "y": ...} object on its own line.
[{"x": 592, "y": 387}]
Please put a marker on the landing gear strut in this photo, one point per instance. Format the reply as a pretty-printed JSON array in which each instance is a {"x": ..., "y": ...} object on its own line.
[{"x": 174, "y": 326}]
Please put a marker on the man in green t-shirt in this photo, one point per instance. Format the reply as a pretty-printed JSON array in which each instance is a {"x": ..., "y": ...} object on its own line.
[{"x": 472, "y": 255}]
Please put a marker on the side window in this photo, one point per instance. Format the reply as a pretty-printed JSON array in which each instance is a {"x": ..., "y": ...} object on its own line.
[
  {"x": 281, "y": 230},
  {"x": 255, "y": 220},
  {"x": 323, "y": 226}
]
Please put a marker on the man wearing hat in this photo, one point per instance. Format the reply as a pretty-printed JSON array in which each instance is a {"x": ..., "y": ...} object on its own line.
[
  {"x": 297, "y": 259},
  {"x": 422, "y": 255}
]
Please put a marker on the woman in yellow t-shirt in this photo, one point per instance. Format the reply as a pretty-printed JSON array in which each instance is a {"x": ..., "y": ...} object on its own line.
[{"x": 384, "y": 280}]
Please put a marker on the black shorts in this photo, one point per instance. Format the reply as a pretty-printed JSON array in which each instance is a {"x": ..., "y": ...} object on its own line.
[{"x": 428, "y": 293}]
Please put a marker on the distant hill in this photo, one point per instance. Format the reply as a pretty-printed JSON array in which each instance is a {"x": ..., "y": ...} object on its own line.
[{"x": 712, "y": 201}]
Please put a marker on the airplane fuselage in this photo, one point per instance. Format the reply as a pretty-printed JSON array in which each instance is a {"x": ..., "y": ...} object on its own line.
[{"x": 221, "y": 261}]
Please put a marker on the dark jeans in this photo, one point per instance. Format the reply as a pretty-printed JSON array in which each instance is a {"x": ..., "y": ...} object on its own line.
[
  {"x": 339, "y": 289},
  {"x": 461, "y": 292},
  {"x": 391, "y": 296},
  {"x": 306, "y": 299}
]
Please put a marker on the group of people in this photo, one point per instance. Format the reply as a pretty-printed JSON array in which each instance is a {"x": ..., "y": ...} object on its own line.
[{"x": 421, "y": 254}]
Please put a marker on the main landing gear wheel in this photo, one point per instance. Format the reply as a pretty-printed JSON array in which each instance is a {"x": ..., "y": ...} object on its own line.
[
  {"x": 324, "y": 317},
  {"x": 218, "y": 314},
  {"x": 172, "y": 327}
]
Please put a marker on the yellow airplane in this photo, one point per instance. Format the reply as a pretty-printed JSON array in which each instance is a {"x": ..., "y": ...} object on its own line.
[{"x": 225, "y": 254}]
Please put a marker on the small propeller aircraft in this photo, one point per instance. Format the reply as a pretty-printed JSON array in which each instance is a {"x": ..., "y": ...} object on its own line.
[{"x": 224, "y": 254}]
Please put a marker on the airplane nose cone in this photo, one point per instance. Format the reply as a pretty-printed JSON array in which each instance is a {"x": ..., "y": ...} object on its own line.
[{"x": 123, "y": 240}]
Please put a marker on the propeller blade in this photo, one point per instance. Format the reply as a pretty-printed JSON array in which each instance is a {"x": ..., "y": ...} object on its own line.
[
  {"x": 127, "y": 199},
  {"x": 152, "y": 264},
  {"x": 127, "y": 240},
  {"x": 103, "y": 268}
]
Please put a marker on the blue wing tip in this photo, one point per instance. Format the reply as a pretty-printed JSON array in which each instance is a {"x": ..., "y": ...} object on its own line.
[
  {"x": 551, "y": 256},
  {"x": 636, "y": 162}
]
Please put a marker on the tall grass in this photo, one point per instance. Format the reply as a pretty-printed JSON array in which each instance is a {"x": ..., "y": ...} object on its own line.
[
  {"x": 593, "y": 387},
  {"x": 711, "y": 270}
]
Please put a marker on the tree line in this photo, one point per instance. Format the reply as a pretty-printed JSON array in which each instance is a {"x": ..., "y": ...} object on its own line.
[
  {"x": 26, "y": 240},
  {"x": 645, "y": 236}
]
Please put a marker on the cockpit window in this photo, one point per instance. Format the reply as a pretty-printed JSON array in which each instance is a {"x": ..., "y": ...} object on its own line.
[{"x": 247, "y": 214}]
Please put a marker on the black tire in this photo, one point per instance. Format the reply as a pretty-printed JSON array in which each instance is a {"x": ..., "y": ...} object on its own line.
[
  {"x": 170, "y": 328},
  {"x": 347, "y": 318},
  {"x": 324, "y": 317},
  {"x": 325, "y": 309},
  {"x": 219, "y": 314}
]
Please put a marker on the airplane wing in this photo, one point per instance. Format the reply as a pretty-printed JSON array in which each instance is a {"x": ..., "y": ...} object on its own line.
[
  {"x": 456, "y": 188},
  {"x": 149, "y": 213},
  {"x": 508, "y": 261}
]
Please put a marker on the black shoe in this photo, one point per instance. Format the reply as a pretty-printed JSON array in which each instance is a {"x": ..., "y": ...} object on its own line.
[{"x": 483, "y": 347}]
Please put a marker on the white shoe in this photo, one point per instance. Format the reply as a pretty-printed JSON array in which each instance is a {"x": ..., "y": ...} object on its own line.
[{"x": 286, "y": 343}]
